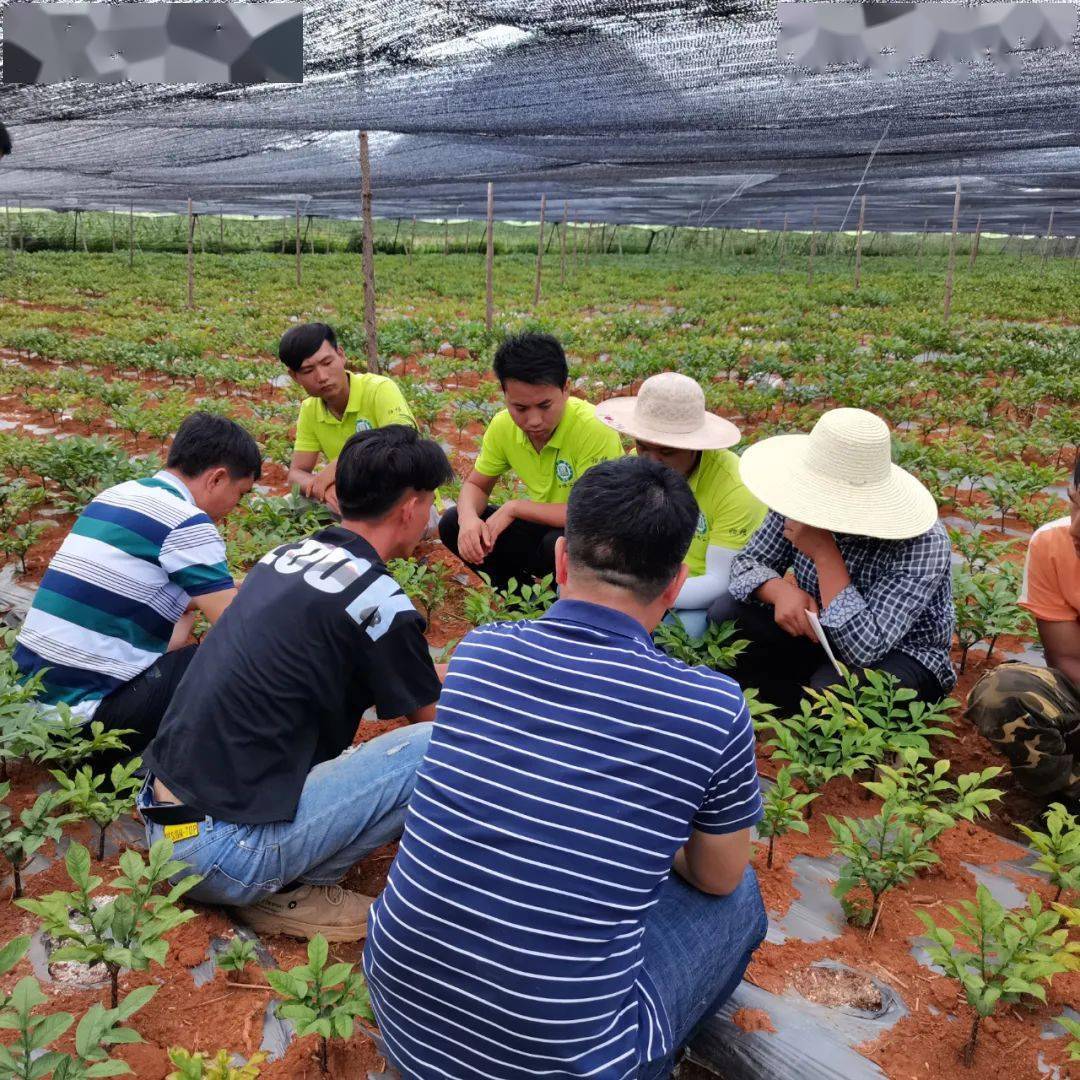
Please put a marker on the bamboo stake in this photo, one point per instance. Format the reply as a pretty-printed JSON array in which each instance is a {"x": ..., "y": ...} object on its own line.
[
  {"x": 783, "y": 244},
  {"x": 574, "y": 234},
  {"x": 368, "y": 256},
  {"x": 412, "y": 238},
  {"x": 588, "y": 242},
  {"x": 131, "y": 235},
  {"x": 397, "y": 229},
  {"x": 468, "y": 230},
  {"x": 445, "y": 236},
  {"x": 952, "y": 251},
  {"x": 540, "y": 250},
  {"x": 190, "y": 256},
  {"x": 858, "y": 242},
  {"x": 7, "y": 227},
  {"x": 562, "y": 244},
  {"x": 922, "y": 241},
  {"x": 22, "y": 235},
  {"x": 75, "y": 234},
  {"x": 974, "y": 253},
  {"x": 297, "y": 237},
  {"x": 221, "y": 234},
  {"x": 813, "y": 249},
  {"x": 1049, "y": 233},
  {"x": 112, "y": 226},
  {"x": 489, "y": 315}
]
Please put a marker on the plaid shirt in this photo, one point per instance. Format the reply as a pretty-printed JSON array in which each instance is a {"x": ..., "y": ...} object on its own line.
[{"x": 900, "y": 596}]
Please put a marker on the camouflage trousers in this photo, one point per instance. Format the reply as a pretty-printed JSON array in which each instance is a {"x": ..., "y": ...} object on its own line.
[{"x": 1032, "y": 716}]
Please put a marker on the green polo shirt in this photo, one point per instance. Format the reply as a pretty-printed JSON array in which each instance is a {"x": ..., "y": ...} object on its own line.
[
  {"x": 728, "y": 513},
  {"x": 578, "y": 443},
  {"x": 374, "y": 402}
]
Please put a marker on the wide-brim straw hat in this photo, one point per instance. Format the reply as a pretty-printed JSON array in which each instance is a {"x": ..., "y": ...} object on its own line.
[
  {"x": 840, "y": 477},
  {"x": 669, "y": 410}
]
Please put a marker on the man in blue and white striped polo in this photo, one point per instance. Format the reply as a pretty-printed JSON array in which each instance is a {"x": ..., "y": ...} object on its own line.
[
  {"x": 532, "y": 924},
  {"x": 109, "y": 624}
]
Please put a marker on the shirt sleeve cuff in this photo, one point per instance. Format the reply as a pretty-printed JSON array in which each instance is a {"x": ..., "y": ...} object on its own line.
[
  {"x": 845, "y": 606},
  {"x": 744, "y": 582}
]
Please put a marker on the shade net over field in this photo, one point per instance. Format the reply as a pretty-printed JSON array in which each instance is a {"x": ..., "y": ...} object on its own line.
[{"x": 650, "y": 112}]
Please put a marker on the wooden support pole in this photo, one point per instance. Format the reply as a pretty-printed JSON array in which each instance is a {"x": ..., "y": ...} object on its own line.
[
  {"x": 221, "y": 234},
  {"x": 922, "y": 242},
  {"x": 22, "y": 235},
  {"x": 588, "y": 242},
  {"x": 412, "y": 238},
  {"x": 112, "y": 227},
  {"x": 190, "y": 256},
  {"x": 397, "y": 229},
  {"x": 574, "y": 234},
  {"x": 368, "y": 256},
  {"x": 7, "y": 227},
  {"x": 131, "y": 234},
  {"x": 489, "y": 308},
  {"x": 468, "y": 230},
  {"x": 75, "y": 234},
  {"x": 813, "y": 249},
  {"x": 562, "y": 244},
  {"x": 952, "y": 251},
  {"x": 783, "y": 244},
  {"x": 1049, "y": 233},
  {"x": 445, "y": 236},
  {"x": 974, "y": 253},
  {"x": 298, "y": 252},
  {"x": 858, "y": 242},
  {"x": 540, "y": 250}
]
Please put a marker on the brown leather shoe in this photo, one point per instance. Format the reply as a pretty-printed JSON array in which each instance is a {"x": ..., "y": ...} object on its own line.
[{"x": 330, "y": 910}]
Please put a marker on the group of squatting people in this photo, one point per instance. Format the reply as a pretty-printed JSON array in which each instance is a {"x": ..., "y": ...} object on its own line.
[{"x": 572, "y": 894}]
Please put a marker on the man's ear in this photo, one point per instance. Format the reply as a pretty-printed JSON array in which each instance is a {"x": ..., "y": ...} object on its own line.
[
  {"x": 561, "y": 561},
  {"x": 671, "y": 593},
  {"x": 216, "y": 476}
]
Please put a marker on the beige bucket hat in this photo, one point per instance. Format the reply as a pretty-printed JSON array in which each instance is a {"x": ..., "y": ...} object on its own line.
[
  {"x": 669, "y": 410},
  {"x": 840, "y": 477}
]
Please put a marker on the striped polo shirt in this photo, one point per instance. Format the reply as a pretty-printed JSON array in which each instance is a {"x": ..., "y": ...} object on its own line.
[
  {"x": 569, "y": 762},
  {"x": 107, "y": 605}
]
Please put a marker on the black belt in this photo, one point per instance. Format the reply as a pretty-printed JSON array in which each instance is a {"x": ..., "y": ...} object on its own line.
[{"x": 172, "y": 815}]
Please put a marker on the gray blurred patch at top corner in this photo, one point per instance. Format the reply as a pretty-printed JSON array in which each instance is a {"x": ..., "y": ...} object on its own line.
[{"x": 154, "y": 43}]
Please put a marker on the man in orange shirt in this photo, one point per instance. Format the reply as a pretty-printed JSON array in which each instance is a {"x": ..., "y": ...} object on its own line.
[{"x": 1032, "y": 714}]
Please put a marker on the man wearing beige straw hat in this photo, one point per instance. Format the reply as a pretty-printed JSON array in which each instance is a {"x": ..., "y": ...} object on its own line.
[
  {"x": 669, "y": 423},
  {"x": 871, "y": 565}
]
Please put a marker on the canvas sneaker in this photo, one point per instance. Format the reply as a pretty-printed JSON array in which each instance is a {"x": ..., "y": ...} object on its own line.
[{"x": 336, "y": 913}]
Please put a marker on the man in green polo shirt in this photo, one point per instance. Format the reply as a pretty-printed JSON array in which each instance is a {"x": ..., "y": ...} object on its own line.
[
  {"x": 547, "y": 439},
  {"x": 340, "y": 403}
]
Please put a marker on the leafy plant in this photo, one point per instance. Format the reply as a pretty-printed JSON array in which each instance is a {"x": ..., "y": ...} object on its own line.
[
  {"x": 1073, "y": 1028},
  {"x": 1058, "y": 848},
  {"x": 512, "y": 604},
  {"x": 1009, "y": 953},
  {"x": 986, "y": 608},
  {"x": 90, "y": 798},
  {"x": 783, "y": 811},
  {"x": 36, "y": 824},
  {"x": 715, "y": 648},
  {"x": 17, "y": 705},
  {"x": 924, "y": 793},
  {"x": 27, "y": 1056},
  {"x": 237, "y": 955},
  {"x": 321, "y": 1000},
  {"x": 881, "y": 852},
  {"x": 125, "y": 933},
  {"x": 60, "y": 736},
  {"x": 198, "y": 1066},
  {"x": 422, "y": 582}
]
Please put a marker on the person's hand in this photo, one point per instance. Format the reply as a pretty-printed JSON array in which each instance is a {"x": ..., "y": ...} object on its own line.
[
  {"x": 473, "y": 540},
  {"x": 790, "y": 605},
  {"x": 811, "y": 541},
  {"x": 498, "y": 522},
  {"x": 330, "y": 499},
  {"x": 323, "y": 482}
]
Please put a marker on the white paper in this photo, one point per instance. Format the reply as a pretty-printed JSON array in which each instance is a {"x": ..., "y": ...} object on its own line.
[{"x": 815, "y": 622}]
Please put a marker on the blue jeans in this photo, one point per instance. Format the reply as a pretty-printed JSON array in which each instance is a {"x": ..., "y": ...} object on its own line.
[
  {"x": 695, "y": 622},
  {"x": 349, "y": 806},
  {"x": 697, "y": 947}
]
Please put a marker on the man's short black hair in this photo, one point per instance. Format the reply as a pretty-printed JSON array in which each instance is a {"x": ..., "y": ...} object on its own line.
[
  {"x": 629, "y": 522},
  {"x": 207, "y": 441},
  {"x": 375, "y": 468},
  {"x": 300, "y": 342},
  {"x": 531, "y": 358}
]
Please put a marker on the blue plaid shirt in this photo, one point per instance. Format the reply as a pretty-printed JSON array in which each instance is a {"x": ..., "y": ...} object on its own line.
[{"x": 900, "y": 596}]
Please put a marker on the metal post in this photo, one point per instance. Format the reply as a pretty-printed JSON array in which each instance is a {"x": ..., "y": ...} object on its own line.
[
  {"x": 190, "y": 256},
  {"x": 952, "y": 251},
  {"x": 368, "y": 256},
  {"x": 298, "y": 243},
  {"x": 973, "y": 254},
  {"x": 540, "y": 250},
  {"x": 858, "y": 242},
  {"x": 489, "y": 310}
]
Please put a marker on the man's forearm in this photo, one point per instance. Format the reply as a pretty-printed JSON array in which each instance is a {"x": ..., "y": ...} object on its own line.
[
  {"x": 833, "y": 576},
  {"x": 301, "y": 478},
  {"x": 471, "y": 502},
  {"x": 553, "y": 515}
]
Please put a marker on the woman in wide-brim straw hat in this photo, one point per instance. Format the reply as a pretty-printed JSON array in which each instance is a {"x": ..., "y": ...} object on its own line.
[
  {"x": 871, "y": 561},
  {"x": 668, "y": 422}
]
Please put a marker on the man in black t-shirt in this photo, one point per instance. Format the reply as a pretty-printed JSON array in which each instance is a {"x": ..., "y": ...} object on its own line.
[{"x": 252, "y": 774}]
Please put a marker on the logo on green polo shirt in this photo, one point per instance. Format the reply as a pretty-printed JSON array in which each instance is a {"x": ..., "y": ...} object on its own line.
[
  {"x": 363, "y": 425},
  {"x": 702, "y": 524},
  {"x": 564, "y": 471}
]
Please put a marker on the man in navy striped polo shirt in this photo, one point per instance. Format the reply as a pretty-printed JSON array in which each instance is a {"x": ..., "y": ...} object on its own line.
[
  {"x": 110, "y": 622},
  {"x": 532, "y": 924}
]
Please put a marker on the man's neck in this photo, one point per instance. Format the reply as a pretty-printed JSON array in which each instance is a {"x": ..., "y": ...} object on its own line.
[
  {"x": 378, "y": 536},
  {"x": 615, "y": 598},
  {"x": 340, "y": 401}
]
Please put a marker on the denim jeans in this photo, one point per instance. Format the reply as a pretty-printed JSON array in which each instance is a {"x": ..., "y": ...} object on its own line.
[
  {"x": 695, "y": 621},
  {"x": 697, "y": 947},
  {"x": 349, "y": 806}
]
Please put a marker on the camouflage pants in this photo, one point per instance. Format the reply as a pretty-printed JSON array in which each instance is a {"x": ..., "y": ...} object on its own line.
[{"x": 1032, "y": 716}]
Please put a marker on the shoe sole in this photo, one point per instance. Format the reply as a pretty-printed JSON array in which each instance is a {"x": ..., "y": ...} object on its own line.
[{"x": 280, "y": 924}]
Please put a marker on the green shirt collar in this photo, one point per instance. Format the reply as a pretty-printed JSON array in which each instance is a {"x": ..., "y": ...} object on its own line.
[{"x": 558, "y": 435}]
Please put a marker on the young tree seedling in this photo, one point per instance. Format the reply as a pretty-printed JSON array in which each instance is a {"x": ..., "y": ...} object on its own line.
[
  {"x": 512, "y": 604},
  {"x": 236, "y": 957},
  {"x": 59, "y": 737},
  {"x": 783, "y": 811},
  {"x": 423, "y": 583},
  {"x": 125, "y": 933},
  {"x": 37, "y": 823},
  {"x": 199, "y": 1066},
  {"x": 1058, "y": 848},
  {"x": 714, "y": 648},
  {"x": 102, "y": 801},
  {"x": 1008, "y": 953},
  {"x": 321, "y": 1000}
]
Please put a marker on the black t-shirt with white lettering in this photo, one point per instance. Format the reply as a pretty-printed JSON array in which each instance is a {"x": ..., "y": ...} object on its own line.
[{"x": 317, "y": 634}]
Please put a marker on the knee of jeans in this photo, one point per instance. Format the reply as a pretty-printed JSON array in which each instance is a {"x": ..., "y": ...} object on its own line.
[
  {"x": 723, "y": 608},
  {"x": 753, "y": 906}
]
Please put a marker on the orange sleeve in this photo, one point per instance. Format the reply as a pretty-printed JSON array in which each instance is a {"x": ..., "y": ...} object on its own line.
[{"x": 1043, "y": 591}]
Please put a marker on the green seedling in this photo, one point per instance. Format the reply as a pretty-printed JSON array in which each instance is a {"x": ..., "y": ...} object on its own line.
[
  {"x": 880, "y": 852},
  {"x": 102, "y": 800},
  {"x": 198, "y": 1066},
  {"x": 321, "y": 1000},
  {"x": 1072, "y": 1027},
  {"x": 10, "y": 955},
  {"x": 1058, "y": 848},
  {"x": 60, "y": 737},
  {"x": 28, "y": 1057},
  {"x": 36, "y": 824},
  {"x": 237, "y": 955},
  {"x": 783, "y": 811},
  {"x": 1009, "y": 954},
  {"x": 714, "y": 649},
  {"x": 512, "y": 604},
  {"x": 18, "y": 710},
  {"x": 127, "y": 933},
  {"x": 423, "y": 583}
]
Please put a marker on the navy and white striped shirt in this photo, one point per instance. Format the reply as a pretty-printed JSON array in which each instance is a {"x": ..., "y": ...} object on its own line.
[{"x": 569, "y": 762}]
